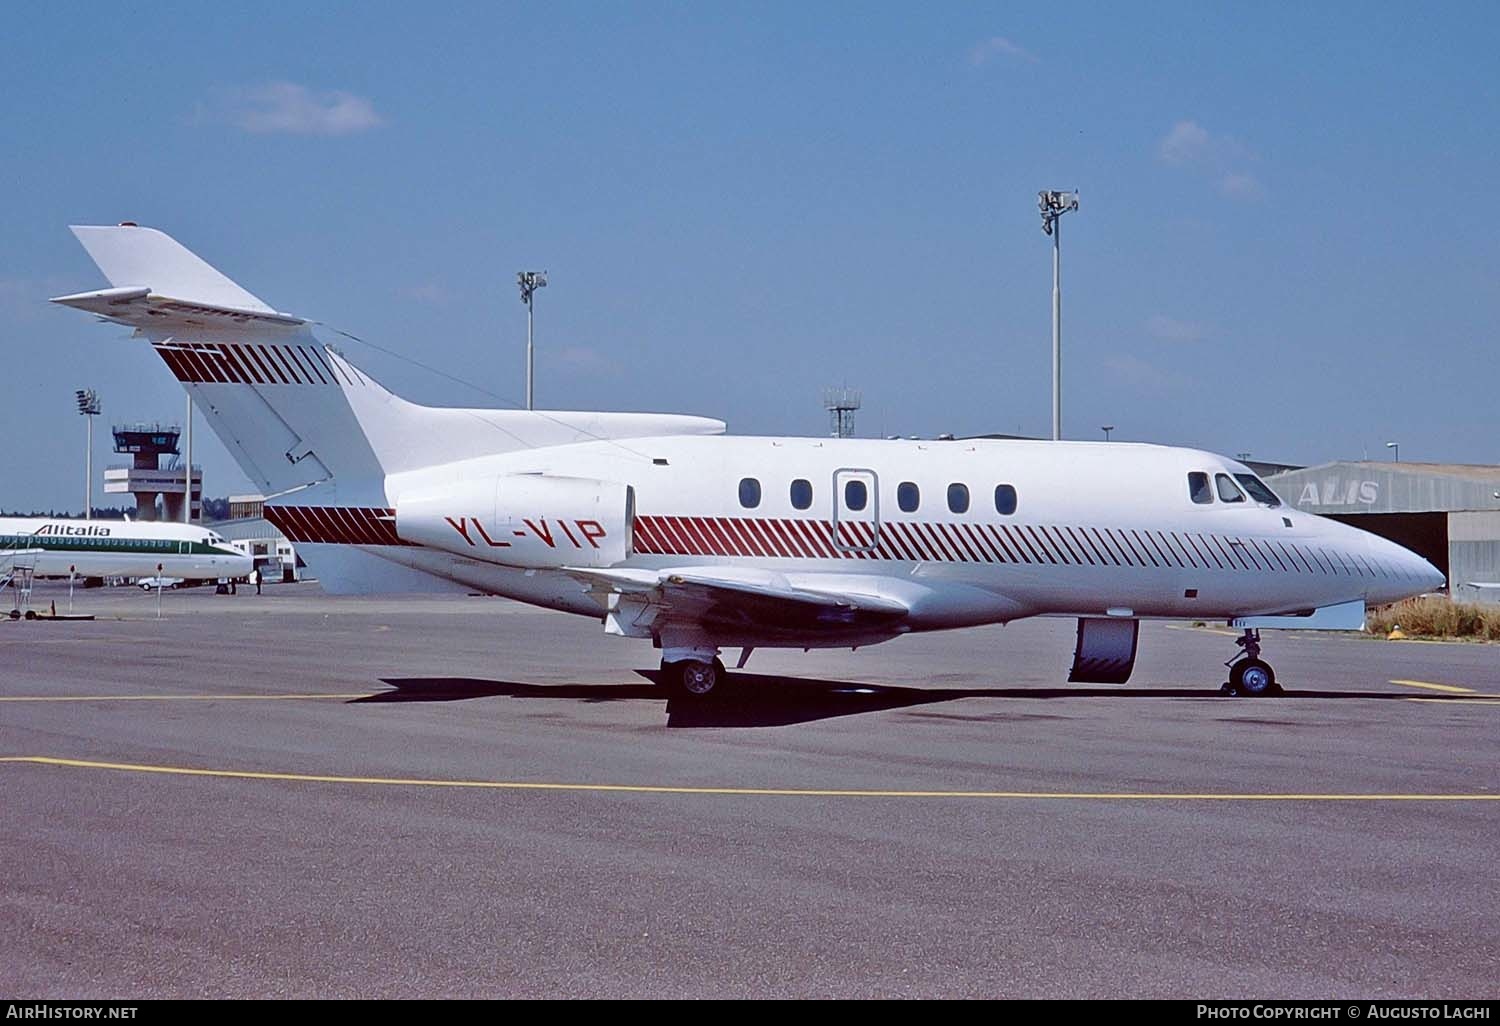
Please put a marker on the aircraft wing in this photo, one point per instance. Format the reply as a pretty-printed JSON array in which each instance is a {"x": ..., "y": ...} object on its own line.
[{"x": 742, "y": 597}]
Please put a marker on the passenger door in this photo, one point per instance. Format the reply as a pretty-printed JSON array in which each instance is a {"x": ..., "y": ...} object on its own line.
[{"x": 856, "y": 510}]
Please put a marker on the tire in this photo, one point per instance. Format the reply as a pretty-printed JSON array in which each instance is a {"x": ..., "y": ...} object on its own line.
[
  {"x": 1253, "y": 677},
  {"x": 694, "y": 680}
]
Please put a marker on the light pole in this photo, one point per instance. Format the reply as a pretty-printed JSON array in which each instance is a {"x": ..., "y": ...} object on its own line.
[
  {"x": 529, "y": 282},
  {"x": 187, "y": 502},
  {"x": 1107, "y": 429},
  {"x": 89, "y": 407},
  {"x": 1397, "y": 447},
  {"x": 1053, "y": 206}
]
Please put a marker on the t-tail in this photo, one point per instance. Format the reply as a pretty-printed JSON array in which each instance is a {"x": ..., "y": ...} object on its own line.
[{"x": 306, "y": 425}]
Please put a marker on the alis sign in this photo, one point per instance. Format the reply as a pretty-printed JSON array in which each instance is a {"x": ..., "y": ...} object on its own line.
[{"x": 1339, "y": 493}]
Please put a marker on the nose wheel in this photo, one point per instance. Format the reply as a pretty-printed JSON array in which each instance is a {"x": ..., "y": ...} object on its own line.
[{"x": 1250, "y": 675}]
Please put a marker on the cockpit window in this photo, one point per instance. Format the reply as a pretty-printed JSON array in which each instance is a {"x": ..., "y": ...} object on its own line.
[
  {"x": 1228, "y": 490},
  {"x": 1258, "y": 490},
  {"x": 1199, "y": 488}
]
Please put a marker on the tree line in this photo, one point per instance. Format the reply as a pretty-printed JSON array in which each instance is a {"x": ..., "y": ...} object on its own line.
[{"x": 213, "y": 510}]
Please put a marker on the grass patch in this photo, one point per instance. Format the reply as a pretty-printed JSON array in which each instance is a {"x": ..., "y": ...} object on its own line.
[{"x": 1429, "y": 617}]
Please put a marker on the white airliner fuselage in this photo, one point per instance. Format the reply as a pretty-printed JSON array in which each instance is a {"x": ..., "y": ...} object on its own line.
[
  {"x": 50, "y": 547},
  {"x": 664, "y": 528}
]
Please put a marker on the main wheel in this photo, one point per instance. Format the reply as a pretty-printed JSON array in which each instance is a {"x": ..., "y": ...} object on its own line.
[
  {"x": 693, "y": 678},
  {"x": 1253, "y": 677}
]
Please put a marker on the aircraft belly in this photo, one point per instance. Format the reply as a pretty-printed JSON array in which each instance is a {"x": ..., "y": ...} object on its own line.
[{"x": 546, "y": 588}]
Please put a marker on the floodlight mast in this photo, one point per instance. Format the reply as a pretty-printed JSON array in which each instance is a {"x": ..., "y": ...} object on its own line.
[
  {"x": 1053, "y": 206},
  {"x": 187, "y": 495},
  {"x": 529, "y": 282},
  {"x": 89, "y": 408}
]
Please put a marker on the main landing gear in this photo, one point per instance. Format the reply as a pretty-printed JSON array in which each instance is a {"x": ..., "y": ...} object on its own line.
[
  {"x": 1251, "y": 675},
  {"x": 693, "y": 678}
]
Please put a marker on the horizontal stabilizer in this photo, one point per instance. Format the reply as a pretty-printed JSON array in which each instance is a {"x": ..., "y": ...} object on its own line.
[
  {"x": 131, "y": 256},
  {"x": 142, "y": 307}
]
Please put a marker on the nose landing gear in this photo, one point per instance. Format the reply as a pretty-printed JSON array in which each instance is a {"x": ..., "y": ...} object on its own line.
[{"x": 1250, "y": 675}]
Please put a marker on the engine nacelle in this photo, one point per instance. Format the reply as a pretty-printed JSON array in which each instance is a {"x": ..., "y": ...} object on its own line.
[{"x": 523, "y": 520}]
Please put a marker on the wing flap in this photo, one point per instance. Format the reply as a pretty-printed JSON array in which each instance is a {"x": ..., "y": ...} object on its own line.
[{"x": 742, "y": 597}]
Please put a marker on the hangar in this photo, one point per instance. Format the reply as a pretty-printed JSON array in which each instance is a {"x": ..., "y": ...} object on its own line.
[{"x": 1449, "y": 513}]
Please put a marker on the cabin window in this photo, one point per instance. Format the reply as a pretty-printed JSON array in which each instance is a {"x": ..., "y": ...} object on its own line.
[
  {"x": 1005, "y": 499},
  {"x": 1199, "y": 488},
  {"x": 908, "y": 496},
  {"x": 801, "y": 494},
  {"x": 958, "y": 498},
  {"x": 1228, "y": 490},
  {"x": 856, "y": 495},
  {"x": 1258, "y": 490},
  {"x": 749, "y": 492}
]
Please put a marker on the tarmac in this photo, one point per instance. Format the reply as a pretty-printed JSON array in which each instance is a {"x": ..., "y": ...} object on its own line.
[{"x": 297, "y": 795}]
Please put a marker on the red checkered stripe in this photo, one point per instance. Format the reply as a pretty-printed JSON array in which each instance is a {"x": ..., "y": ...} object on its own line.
[
  {"x": 239, "y": 364},
  {"x": 814, "y": 539},
  {"x": 336, "y": 525},
  {"x": 1020, "y": 544}
]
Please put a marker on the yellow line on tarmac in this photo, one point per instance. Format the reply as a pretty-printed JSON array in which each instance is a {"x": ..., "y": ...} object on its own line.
[
  {"x": 1435, "y": 687},
  {"x": 1459, "y": 701},
  {"x": 177, "y": 698},
  {"x": 778, "y": 792}
]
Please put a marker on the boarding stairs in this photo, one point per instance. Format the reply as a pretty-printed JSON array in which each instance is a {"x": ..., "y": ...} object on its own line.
[{"x": 18, "y": 570}]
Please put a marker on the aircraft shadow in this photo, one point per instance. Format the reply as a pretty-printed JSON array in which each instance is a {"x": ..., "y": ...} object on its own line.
[
  {"x": 765, "y": 700},
  {"x": 458, "y": 689}
]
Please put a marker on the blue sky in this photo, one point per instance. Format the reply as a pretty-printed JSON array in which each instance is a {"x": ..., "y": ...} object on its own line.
[{"x": 1287, "y": 243}]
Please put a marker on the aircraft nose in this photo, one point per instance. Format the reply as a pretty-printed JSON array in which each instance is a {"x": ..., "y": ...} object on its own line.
[{"x": 1415, "y": 574}]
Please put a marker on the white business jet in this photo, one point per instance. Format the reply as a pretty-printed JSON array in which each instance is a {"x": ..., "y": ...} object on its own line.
[{"x": 663, "y": 528}]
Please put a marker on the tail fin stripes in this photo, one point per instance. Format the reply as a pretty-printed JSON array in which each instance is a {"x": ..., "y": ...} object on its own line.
[
  {"x": 336, "y": 525},
  {"x": 231, "y": 363}
]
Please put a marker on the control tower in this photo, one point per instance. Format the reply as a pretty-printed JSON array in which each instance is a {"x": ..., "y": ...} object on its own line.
[{"x": 156, "y": 471}]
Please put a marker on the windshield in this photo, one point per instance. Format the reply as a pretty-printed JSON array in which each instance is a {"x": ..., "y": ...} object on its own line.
[
  {"x": 1227, "y": 490},
  {"x": 1258, "y": 490}
]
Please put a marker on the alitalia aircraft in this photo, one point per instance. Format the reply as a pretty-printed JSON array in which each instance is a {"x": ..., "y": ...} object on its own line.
[
  {"x": 663, "y": 528},
  {"x": 115, "y": 548}
]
